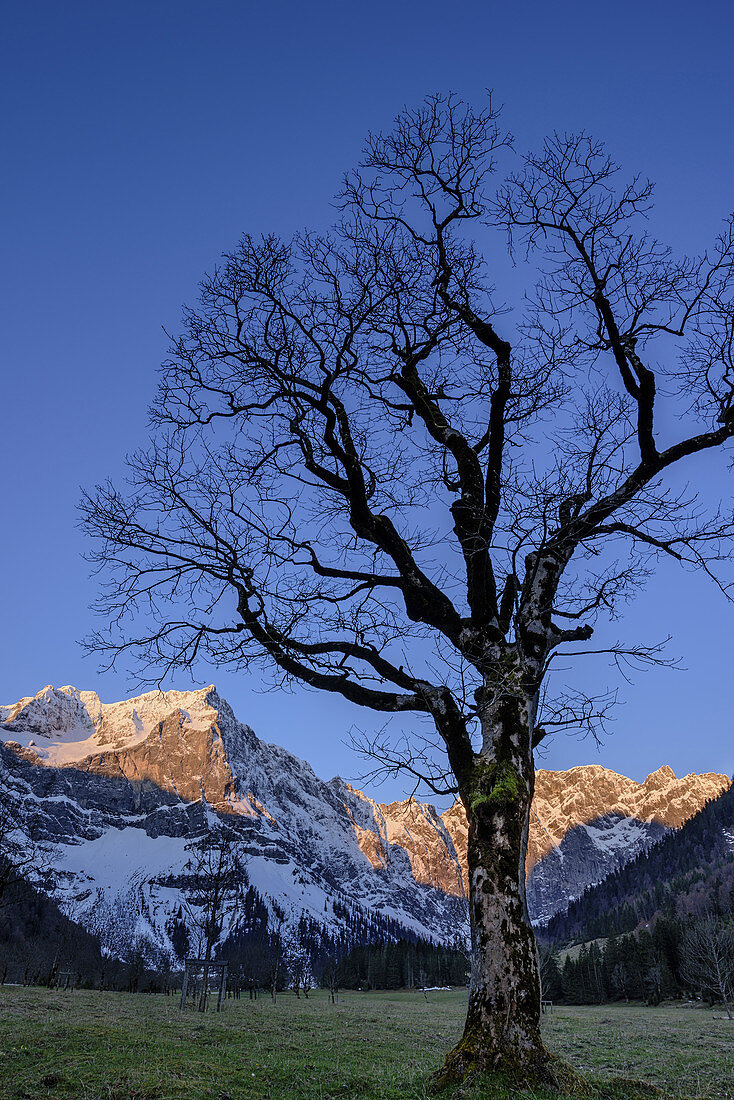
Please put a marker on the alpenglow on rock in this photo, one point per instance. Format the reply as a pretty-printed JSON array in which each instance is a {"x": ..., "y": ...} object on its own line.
[{"x": 118, "y": 790}]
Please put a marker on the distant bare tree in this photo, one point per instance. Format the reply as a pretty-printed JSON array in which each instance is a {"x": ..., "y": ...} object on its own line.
[
  {"x": 367, "y": 477},
  {"x": 136, "y": 963},
  {"x": 297, "y": 963},
  {"x": 278, "y": 946},
  {"x": 707, "y": 960},
  {"x": 330, "y": 978},
  {"x": 217, "y": 874},
  {"x": 547, "y": 967}
]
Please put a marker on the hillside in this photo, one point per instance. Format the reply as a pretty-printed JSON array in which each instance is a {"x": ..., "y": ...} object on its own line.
[{"x": 688, "y": 873}]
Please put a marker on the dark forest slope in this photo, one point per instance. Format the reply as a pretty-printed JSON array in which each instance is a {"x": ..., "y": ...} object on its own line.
[{"x": 37, "y": 942}]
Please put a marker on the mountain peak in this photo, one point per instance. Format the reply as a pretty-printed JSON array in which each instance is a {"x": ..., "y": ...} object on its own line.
[
  {"x": 663, "y": 774},
  {"x": 67, "y": 726}
]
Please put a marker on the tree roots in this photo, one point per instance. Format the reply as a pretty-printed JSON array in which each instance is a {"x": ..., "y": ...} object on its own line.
[
  {"x": 534, "y": 1069},
  {"x": 539, "y": 1075}
]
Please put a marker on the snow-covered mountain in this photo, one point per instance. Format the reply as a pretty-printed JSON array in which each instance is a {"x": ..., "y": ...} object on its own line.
[{"x": 118, "y": 790}]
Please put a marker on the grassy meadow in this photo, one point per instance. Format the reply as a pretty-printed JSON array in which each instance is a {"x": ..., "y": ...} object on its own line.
[{"x": 377, "y": 1046}]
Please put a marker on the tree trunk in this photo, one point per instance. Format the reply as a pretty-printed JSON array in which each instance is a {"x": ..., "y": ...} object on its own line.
[
  {"x": 502, "y": 1031},
  {"x": 205, "y": 977}
]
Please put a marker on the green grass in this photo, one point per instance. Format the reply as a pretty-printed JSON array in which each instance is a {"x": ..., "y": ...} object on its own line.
[{"x": 376, "y": 1046}]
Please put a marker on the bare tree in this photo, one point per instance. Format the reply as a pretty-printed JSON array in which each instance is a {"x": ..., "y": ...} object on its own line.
[
  {"x": 330, "y": 978},
  {"x": 217, "y": 873},
  {"x": 707, "y": 960},
  {"x": 368, "y": 477},
  {"x": 278, "y": 949},
  {"x": 547, "y": 967},
  {"x": 297, "y": 963}
]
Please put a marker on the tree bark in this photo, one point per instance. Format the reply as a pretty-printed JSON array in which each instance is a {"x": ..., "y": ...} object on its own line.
[{"x": 502, "y": 1030}]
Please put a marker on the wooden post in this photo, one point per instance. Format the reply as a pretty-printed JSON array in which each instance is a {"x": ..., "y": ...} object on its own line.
[
  {"x": 222, "y": 985},
  {"x": 185, "y": 984}
]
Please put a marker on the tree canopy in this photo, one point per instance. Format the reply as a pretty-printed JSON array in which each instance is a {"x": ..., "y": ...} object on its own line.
[{"x": 369, "y": 476}]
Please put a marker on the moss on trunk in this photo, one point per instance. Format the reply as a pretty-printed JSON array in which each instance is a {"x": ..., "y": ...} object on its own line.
[{"x": 498, "y": 784}]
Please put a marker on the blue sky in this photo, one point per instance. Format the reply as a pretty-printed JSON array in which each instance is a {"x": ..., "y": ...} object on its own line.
[{"x": 140, "y": 139}]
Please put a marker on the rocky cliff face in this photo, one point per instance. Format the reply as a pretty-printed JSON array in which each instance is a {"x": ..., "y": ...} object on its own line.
[{"x": 118, "y": 790}]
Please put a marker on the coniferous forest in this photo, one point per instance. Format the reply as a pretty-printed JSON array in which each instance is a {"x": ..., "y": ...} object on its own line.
[{"x": 634, "y": 926}]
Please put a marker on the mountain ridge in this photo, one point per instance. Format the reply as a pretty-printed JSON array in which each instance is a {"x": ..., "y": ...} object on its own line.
[
  {"x": 159, "y": 755},
  {"x": 689, "y": 874}
]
